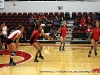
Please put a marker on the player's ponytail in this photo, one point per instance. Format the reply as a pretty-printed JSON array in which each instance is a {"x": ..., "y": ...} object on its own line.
[
  {"x": 18, "y": 28},
  {"x": 37, "y": 27}
]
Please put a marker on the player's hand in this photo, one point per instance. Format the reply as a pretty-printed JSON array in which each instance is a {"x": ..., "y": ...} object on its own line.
[
  {"x": 51, "y": 38},
  {"x": 16, "y": 46},
  {"x": 55, "y": 34},
  {"x": 71, "y": 36},
  {"x": 89, "y": 39}
]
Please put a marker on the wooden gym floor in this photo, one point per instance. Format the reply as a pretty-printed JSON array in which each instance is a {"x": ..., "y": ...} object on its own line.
[{"x": 72, "y": 61}]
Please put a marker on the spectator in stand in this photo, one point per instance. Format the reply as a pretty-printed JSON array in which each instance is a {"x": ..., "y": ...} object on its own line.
[
  {"x": 28, "y": 32},
  {"x": 41, "y": 17},
  {"x": 45, "y": 20},
  {"x": 76, "y": 23},
  {"x": 34, "y": 17},
  {"x": 48, "y": 26},
  {"x": 31, "y": 21},
  {"x": 88, "y": 31},
  {"x": 53, "y": 32},
  {"x": 94, "y": 18},
  {"x": 89, "y": 21},
  {"x": 99, "y": 16},
  {"x": 57, "y": 21},
  {"x": 83, "y": 22}
]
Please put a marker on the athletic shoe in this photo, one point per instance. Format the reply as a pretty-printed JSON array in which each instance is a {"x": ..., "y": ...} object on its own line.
[
  {"x": 35, "y": 60},
  {"x": 12, "y": 63},
  {"x": 63, "y": 49},
  {"x": 41, "y": 57},
  {"x": 89, "y": 55},
  {"x": 60, "y": 49},
  {"x": 95, "y": 54}
]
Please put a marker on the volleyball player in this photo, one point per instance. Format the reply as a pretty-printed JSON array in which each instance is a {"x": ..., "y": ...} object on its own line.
[
  {"x": 33, "y": 41},
  {"x": 12, "y": 46},
  {"x": 94, "y": 35},
  {"x": 4, "y": 34},
  {"x": 0, "y": 39},
  {"x": 63, "y": 30}
]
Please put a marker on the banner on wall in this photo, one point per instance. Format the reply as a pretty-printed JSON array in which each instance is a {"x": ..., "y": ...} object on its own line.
[{"x": 1, "y": 3}]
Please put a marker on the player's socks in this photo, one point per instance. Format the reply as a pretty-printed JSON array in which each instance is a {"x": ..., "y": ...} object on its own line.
[
  {"x": 1, "y": 52},
  {"x": 12, "y": 63},
  {"x": 89, "y": 54},
  {"x": 40, "y": 56},
  {"x": 12, "y": 54},
  {"x": 60, "y": 48},
  {"x": 95, "y": 52},
  {"x": 5, "y": 46},
  {"x": 36, "y": 60},
  {"x": 63, "y": 48}
]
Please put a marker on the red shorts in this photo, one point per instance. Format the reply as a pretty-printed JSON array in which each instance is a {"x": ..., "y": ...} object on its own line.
[{"x": 64, "y": 35}]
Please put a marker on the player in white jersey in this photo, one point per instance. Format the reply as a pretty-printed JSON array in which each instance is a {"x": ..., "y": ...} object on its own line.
[
  {"x": 1, "y": 25},
  {"x": 4, "y": 34},
  {"x": 13, "y": 47}
]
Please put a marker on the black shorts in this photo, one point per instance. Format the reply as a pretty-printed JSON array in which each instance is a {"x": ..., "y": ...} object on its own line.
[
  {"x": 96, "y": 40},
  {"x": 0, "y": 36},
  {"x": 31, "y": 41},
  {"x": 9, "y": 41}
]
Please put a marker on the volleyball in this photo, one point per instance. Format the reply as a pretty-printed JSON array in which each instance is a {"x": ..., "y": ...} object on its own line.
[{"x": 60, "y": 7}]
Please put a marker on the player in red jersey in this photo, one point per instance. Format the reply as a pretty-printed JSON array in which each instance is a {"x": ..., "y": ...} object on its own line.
[
  {"x": 13, "y": 47},
  {"x": 63, "y": 30},
  {"x": 94, "y": 35},
  {"x": 33, "y": 41}
]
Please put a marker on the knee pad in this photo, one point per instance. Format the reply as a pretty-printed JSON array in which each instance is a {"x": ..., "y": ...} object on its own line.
[
  {"x": 91, "y": 47},
  {"x": 95, "y": 49},
  {"x": 41, "y": 48},
  {"x": 39, "y": 51},
  {"x": 12, "y": 53},
  {"x": 61, "y": 42}
]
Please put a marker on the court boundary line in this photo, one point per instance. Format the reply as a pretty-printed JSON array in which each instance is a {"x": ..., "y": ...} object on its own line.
[{"x": 22, "y": 59}]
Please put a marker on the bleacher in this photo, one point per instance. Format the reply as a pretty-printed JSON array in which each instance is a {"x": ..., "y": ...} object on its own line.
[{"x": 13, "y": 19}]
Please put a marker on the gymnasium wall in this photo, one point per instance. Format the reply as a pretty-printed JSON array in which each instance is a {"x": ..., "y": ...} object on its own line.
[{"x": 51, "y": 6}]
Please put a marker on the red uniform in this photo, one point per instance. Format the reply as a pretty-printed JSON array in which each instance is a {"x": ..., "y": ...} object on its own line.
[
  {"x": 88, "y": 30},
  {"x": 82, "y": 22},
  {"x": 41, "y": 17},
  {"x": 96, "y": 34},
  {"x": 89, "y": 21},
  {"x": 34, "y": 36},
  {"x": 63, "y": 31}
]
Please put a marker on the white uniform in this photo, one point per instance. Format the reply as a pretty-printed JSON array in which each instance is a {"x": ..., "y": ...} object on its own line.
[
  {"x": 14, "y": 35},
  {"x": 4, "y": 30}
]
